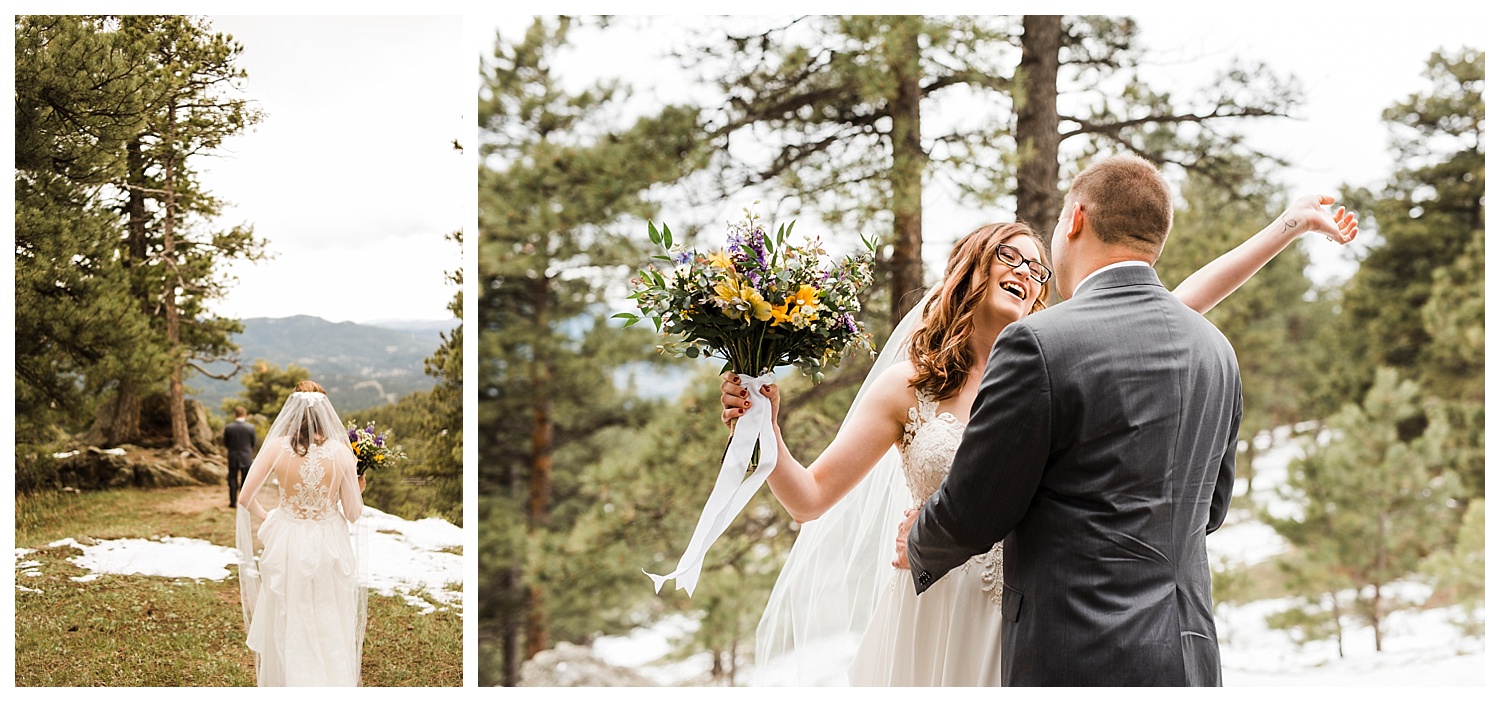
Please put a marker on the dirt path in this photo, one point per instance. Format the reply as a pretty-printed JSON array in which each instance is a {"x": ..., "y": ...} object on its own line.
[{"x": 197, "y": 500}]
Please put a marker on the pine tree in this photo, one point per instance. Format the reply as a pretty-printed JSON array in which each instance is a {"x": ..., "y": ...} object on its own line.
[
  {"x": 1375, "y": 500},
  {"x": 192, "y": 107},
  {"x": 267, "y": 388},
  {"x": 445, "y": 426},
  {"x": 563, "y": 198},
  {"x": 1458, "y": 573}
]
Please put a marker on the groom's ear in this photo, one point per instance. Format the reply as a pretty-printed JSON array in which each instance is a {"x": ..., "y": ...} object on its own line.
[{"x": 1076, "y": 219}]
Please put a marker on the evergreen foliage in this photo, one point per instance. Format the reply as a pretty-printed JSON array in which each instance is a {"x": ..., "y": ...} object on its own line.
[
  {"x": 1429, "y": 223},
  {"x": 563, "y": 195},
  {"x": 116, "y": 260},
  {"x": 1375, "y": 501},
  {"x": 266, "y": 388}
]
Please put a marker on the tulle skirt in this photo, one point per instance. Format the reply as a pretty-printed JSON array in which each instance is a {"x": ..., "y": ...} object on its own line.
[
  {"x": 308, "y": 625},
  {"x": 949, "y": 636}
]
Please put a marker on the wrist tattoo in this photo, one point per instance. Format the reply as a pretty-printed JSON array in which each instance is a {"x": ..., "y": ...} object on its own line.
[{"x": 1289, "y": 224}]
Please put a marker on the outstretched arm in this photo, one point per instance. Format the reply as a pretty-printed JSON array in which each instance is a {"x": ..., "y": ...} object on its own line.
[
  {"x": 1225, "y": 274},
  {"x": 870, "y": 430}
]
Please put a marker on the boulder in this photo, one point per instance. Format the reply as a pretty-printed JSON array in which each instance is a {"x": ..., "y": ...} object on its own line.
[
  {"x": 155, "y": 425},
  {"x": 571, "y": 665},
  {"x": 93, "y": 468}
]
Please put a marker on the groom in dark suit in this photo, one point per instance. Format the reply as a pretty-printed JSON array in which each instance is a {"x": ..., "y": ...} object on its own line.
[
  {"x": 1101, "y": 449},
  {"x": 239, "y": 438}
]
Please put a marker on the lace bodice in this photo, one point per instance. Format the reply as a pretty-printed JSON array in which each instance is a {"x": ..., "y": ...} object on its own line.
[
  {"x": 309, "y": 495},
  {"x": 928, "y": 442}
]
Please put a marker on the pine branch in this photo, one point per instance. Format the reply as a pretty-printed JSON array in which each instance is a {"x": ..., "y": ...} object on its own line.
[{"x": 215, "y": 376}]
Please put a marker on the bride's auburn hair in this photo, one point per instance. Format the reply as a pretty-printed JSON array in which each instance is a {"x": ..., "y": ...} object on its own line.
[
  {"x": 939, "y": 347},
  {"x": 306, "y": 435}
]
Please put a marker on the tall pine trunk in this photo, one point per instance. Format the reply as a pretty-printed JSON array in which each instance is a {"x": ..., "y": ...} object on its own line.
[
  {"x": 908, "y": 161},
  {"x": 175, "y": 398},
  {"x": 1038, "y": 200},
  {"x": 124, "y": 423},
  {"x": 1380, "y": 569},
  {"x": 511, "y": 604},
  {"x": 540, "y": 476},
  {"x": 510, "y": 626}
]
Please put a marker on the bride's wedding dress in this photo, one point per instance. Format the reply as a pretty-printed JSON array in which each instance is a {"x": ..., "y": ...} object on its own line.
[
  {"x": 303, "y": 591},
  {"x": 949, "y": 636}
]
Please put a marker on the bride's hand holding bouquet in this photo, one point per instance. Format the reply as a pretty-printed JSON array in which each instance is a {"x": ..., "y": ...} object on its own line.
[{"x": 758, "y": 303}]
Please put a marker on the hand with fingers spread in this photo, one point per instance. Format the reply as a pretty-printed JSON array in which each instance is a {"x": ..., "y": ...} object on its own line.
[{"x": 1306, "y": 214}]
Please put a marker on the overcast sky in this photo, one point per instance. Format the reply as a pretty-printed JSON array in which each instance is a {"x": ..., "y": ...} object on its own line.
[
  {"x": 1351, "y": 65},
  {"x": 352, "y": 177}
]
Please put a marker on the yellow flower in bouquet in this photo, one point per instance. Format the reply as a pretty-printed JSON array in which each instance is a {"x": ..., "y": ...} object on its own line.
[
  {"x": 740, "y": 300},
  {"x": 719, "y": 259},
  {"x": 801, "y": 308}
]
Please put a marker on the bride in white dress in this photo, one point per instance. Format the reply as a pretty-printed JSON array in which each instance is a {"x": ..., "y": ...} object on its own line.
[
  {"x": 302, "y": 592},
  {"x": 841, "y": 611}
]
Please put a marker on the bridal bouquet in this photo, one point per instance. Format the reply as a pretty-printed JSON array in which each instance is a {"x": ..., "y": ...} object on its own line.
[
  {"x": 758, "y": 303},
  {"x": 372, "y": 449}
]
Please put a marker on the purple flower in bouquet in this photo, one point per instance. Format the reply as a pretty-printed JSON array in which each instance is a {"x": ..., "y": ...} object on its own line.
[{"x": 757, "y": 246}]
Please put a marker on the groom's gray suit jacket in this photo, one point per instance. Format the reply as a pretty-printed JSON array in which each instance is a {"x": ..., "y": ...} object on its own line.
[{"x": 1101, "y": 449}]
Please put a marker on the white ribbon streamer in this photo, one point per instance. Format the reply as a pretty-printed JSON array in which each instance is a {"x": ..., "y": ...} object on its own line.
[{"x": 733, "y": 489}]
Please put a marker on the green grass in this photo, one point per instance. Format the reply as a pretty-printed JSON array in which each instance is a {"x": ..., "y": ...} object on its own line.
[{"x": 152, "y": 631}]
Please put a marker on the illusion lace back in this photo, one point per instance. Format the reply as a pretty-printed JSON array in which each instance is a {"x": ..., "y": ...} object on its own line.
[
  {"x": 305, "y": 492},
  {"x": 949, "y": 636}
]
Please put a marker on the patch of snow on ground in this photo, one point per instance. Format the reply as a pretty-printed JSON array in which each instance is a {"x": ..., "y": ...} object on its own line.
[
  {"x": 30, "y": 569},
  {"x": 1420, "y": 647},
  {"x": 167, "y": 557},
  {"x": 406, "y": 558},
  {"x": 644, "y": 648}
]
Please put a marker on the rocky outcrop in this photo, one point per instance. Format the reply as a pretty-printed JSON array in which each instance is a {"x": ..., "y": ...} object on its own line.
[
  {"x": 155, "y": 426},
  {"x": 94, "y": 468},
  {"x": 570, "y": 665},
  {"x": 148, "y": 460}
]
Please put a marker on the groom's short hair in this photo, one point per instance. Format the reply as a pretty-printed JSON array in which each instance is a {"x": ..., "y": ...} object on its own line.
[
  {"x": 240, "y": 412},
  {"x": 1128, "y": 201}
]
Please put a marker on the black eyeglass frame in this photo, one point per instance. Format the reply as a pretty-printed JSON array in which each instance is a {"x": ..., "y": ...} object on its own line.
[{"x": 1032, "y": 264}]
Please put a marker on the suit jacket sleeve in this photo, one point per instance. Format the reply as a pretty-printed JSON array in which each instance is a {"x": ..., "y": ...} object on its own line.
[
  {"x": 1224, "y": 483},
  {"x": 998, "y": 465}
]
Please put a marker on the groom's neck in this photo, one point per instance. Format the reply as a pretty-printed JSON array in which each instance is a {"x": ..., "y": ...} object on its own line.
[{"x": 1090, "y": 254}]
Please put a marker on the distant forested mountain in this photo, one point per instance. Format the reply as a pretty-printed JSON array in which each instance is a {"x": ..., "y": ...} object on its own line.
[{"x": 360, "y": 365}]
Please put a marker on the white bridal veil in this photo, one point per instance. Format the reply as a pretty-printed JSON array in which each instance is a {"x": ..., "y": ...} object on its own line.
[
  {"x": 840, "y": 563},
  {"x": 305, "y": 568}
]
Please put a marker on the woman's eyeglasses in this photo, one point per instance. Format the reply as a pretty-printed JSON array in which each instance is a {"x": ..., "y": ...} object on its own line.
[{"x": 1012, "y": 257}]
